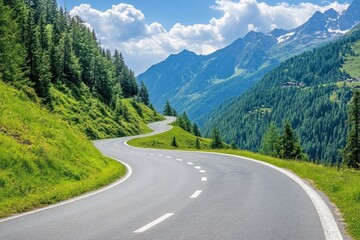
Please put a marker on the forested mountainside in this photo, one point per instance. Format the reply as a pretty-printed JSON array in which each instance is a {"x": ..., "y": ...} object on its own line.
[
  {"x": 311, "y": 90},
  {"x": 58, "y": 88},
  {"x": 197, "y": 83},
  {"x": 57, "y": 61}
]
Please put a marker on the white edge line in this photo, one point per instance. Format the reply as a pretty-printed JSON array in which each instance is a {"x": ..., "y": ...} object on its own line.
[
  {"x": 153, "y": 223},
  {"x": 196, "y": 194},
  {"x": 331, "y": 229},
  {"x": 86, "y": 195}
]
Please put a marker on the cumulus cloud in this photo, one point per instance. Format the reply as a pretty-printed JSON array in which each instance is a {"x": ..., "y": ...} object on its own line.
[{"x": 125, "y": 28}]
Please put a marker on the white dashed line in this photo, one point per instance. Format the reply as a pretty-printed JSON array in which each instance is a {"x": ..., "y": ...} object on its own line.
[
  {"x": 197, "y": 167},
  {"x": 202, "y": 171},
  {"x": 153, "y": 223},
  {"x": 204, "y": 179},
  {"x": 190, "y": 163},
  {"x": 160, "y": 155},
  {"x": 196, "y": 194},
  {"x": 151, "y": 154},
  {"x": 168, "y": 157},
  {"x": 179, "y": 159}
]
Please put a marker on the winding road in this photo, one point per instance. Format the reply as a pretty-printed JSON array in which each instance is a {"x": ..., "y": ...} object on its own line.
[{"x": 183, "y": 195}]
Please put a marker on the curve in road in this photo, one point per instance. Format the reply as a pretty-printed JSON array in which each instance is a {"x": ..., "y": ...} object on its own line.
[{"x": 182, "y": 195}]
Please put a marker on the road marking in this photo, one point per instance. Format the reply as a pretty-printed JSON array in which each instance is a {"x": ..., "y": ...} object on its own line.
[
  {"x": 159, "y": 155},
  {"x": 196, "y": 194},
  {"x": 204, "y": 179},
  {"x": 190, "y": 163},
  {"x": 179, "y": 159},
  {"x": 121, "y": 180},
  {"x": 151, "y": 154},
  {"x": 153, "y": 223},
  {"x": 168, "y": 157},
  {"x": 331, "y": 229},
  {"x": 197, "y": 167},
  {"x": 202, "y": 171}
]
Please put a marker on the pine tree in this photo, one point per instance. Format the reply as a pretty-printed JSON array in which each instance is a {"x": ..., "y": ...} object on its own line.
[
  {"x": 197, "y": 143},
  {"x": 196, "y": 131},
  {"x": 174, "y": 143},
  {"x": 12, "y": 52},
  {"x": 270, "y": 144},
  {"x": 216, "y": 142},
  {"x": 37, "y": 59},
  {"x": 351, "y": 152},
  {"x": 290, "y": 146},
  {"x": 144, "y": 94},
  {"x": 168, "y": 111}
]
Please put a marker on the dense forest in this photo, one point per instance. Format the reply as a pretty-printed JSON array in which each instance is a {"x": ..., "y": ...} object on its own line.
[
  {"x": 58, "y": 61},
  {"x": 311, "y": 91}
]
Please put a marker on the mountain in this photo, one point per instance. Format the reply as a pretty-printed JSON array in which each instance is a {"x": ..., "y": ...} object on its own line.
[
  {"x": 197, "y": 84},
  {"x": 310, "y": 90}
]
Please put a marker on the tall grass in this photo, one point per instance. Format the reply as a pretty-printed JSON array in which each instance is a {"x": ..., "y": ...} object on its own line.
[{"x": 43, "y": 159}]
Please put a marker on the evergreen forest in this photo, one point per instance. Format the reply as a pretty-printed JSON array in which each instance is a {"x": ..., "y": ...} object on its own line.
[
  {"x": 312, "y": 91},
  {"x": 58, "y": 62}
]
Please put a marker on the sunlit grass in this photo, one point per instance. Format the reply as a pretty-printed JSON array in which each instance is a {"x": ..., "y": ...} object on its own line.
[
  {"x": 43, "y": 159},
  {"x": 184, "y": 140}
]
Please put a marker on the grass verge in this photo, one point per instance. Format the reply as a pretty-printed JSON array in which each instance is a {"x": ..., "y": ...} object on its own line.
[
  {"x": 44, "y": 160},
  {"x": 341, "y": 185},
  {"x": 184, "y": 140}
]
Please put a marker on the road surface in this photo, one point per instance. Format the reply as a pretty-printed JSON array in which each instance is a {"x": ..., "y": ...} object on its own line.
[{"x": 180, "y": 195}]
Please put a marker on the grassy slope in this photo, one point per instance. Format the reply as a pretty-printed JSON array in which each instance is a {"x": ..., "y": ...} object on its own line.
[
  {"x": 184, "y": 140},
  {"x": 339, "y": 184},
  {"x": 43, "y": 160},
  {"x": 352, "y": 63},
  {"x": 91, "y": 116}
]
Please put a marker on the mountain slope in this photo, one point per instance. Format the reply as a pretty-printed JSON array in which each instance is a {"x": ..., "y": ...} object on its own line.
[
  {"x": 58, "y": 89},
  {"x": 197, "y": 84},
  {"x": 43, "y": 159},
  {"x": 311, "y": 90}
]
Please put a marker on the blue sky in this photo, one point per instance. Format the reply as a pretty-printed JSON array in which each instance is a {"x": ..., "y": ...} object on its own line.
[{"x": 147, "y": 31}]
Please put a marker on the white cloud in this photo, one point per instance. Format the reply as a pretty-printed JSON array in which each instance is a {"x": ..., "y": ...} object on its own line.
[{"x": 124, "y": 27}]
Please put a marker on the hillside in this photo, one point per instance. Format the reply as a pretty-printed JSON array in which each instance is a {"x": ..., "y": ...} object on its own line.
[
  {"x": 184, "y": 139},
  {"x": 98, "y": 120},
  {"x": 43, "y": 159},
  {"x": 58, "y": 90},
  {"x": 311, "y": 90},
  {"x": 197, "y": 84}
]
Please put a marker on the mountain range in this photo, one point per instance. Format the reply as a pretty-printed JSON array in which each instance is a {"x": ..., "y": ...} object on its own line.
[
  {"x": 199, "y": 83},
  {"x": 312, "y": 91}
]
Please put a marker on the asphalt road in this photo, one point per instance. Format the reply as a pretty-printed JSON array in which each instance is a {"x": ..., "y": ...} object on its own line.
[{"x": 180, "y": 195}]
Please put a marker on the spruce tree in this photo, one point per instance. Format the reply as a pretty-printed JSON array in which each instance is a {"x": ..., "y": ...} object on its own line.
[
  {"x": 196, "y": 131},
  {"x": 290, "y": 146},
  {"x": 173, "y": 142},
  {"x": 197, "y": 143},
  {"x": 270, "y": 144},
  {"x": 168, "y": 111},
  {"x": 11, "y": 51},
  {"x": 144, "y": 94},
  {"x": 351, "y": 152},
  {"x": 216, "y": 142}
]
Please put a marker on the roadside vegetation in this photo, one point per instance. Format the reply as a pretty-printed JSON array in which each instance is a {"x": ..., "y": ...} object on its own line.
[
  {"x": 44, "y": 160},
  {"x": 183, "y": 140}
]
